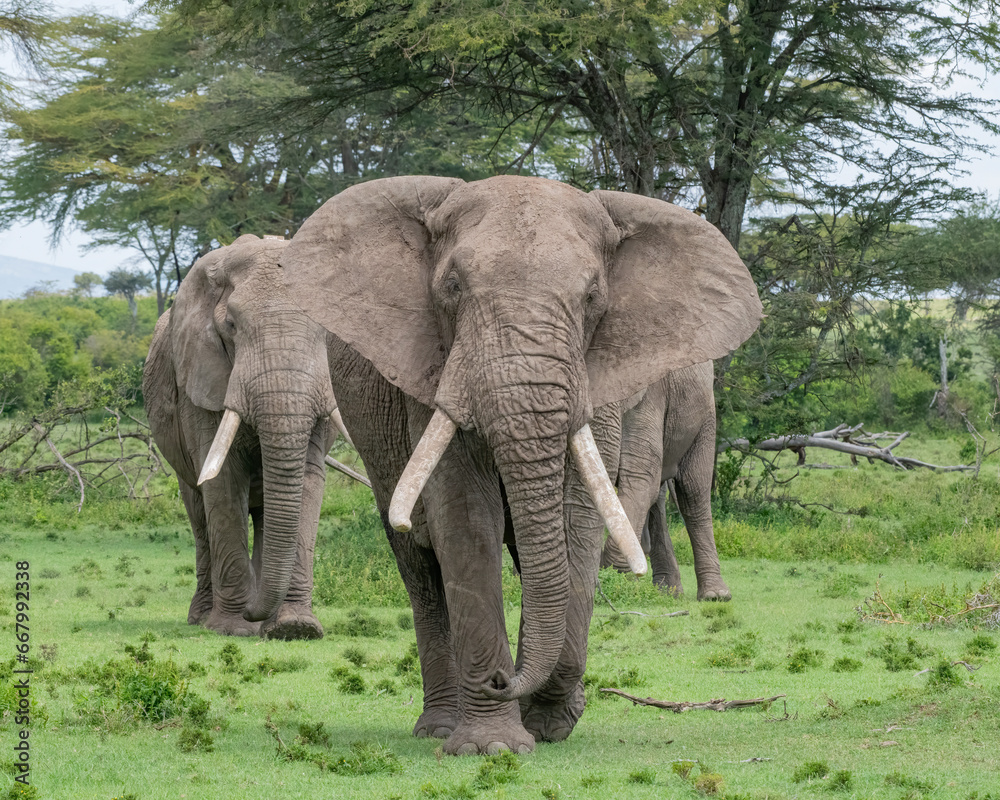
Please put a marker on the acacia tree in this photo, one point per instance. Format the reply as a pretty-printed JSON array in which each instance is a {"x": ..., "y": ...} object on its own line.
[
  {"x": 23, "y": 25},
  {"x": 128, "y": 283},
  {"x": 134, "y": 141},
  {"x": 715, "y": 103}
]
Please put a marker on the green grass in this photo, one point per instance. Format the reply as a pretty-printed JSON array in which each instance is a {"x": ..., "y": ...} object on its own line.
[{"x": 130, "y": 700}]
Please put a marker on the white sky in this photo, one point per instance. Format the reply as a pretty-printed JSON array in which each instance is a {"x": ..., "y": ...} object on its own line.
[{"x": 30, "y": 241}]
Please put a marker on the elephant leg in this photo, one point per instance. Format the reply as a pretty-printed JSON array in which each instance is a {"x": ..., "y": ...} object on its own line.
[
  {"x": 201, "y": 603},
  {"x": 666, "y": 572},
  {"x": 465, "y": 521},
  {"x": 295, "y": 618},
  {"x": 551, "y": 713},
  {"x": 233, "y": 582},
  {"x": 693, "y": 486},
  {"x": 421, "y": 575},
  {"x": 376, "y": 414}
]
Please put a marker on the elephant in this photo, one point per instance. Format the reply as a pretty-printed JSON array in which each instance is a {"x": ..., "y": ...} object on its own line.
[
  {"x": 669, "y": 434},
  {"x": 478, "y": 325},
  {"x": 239, "y": 400}
]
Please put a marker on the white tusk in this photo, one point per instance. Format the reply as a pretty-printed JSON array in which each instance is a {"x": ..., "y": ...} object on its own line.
[
  {"x": 224, "y": 438},
  {"x": 595, "y": 478},
  {"x": 339, "y": 422},
  {"x": 428, "y": 452},
  {"x": 350, "y": 473}
]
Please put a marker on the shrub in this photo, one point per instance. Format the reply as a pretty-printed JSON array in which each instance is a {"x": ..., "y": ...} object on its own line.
[
  {"x": 804, "y": 658},
  {"x": 944, "y": 676},
  {"x": 846, "y": 664},
  {"x": 192, "y": 739},
  {"x": 359, "y": 623},
  {"x": 644, "y": 776},
  {"x": 810, "y": 770},
  {"x": 352, "y": 683}
]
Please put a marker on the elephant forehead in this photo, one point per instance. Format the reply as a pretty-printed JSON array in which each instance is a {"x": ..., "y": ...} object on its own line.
[{"x": 525, "y": 208}]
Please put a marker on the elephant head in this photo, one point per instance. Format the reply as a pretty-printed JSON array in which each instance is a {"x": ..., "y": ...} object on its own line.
[
  {"x": 242, "y": 347},
  {"x": 514, "y": 306}
]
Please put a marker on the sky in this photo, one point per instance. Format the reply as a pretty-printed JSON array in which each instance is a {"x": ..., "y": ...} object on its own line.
[{"x": 31, "y": 241}]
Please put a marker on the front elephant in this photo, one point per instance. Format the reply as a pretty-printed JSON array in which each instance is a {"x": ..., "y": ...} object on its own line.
[
  {"x": 669, "y": 434},
  {"x": 239, "y": 400},
  {"x": 480, "y": 324}
]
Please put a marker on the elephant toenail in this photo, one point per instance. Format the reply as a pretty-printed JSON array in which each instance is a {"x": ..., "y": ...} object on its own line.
[
  {"x": 467, "y": 749},
  {"x": 524, "y": 749},
  {"x": 493, "y": 748}
]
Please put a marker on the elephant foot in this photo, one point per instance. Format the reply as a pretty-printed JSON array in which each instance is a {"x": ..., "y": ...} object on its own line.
[
  {"x": 230, "y": 624},
  {"x": 553, "y": 721},
  {"x": 201, "y": 606},
  {"x": 436, "y": 723},
  {"x": 714, "y": 589},
  {"x": 489, "y": 735},
  {"x": 292, "y": 622}
]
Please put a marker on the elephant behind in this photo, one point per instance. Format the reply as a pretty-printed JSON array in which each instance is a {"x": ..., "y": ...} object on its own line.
[
  {"x": 669, "y": 434},
  {"x": 239, "y": 400},
  {"x": 478, "y": 326}
]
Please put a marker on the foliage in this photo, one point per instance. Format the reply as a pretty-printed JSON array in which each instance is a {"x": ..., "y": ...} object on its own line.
[
  {"x": 676, "y": 95},
  {"x": 128, "y": 283},
  {"x": 49, "y": 341},
  {"x": 137, "y": 689}
]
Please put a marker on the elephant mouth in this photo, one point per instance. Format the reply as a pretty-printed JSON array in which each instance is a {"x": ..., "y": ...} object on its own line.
[{"x": 438, "y": 435}]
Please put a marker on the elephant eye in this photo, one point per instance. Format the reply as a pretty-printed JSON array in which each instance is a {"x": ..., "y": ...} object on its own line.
[{"x": 452, "y": 286}]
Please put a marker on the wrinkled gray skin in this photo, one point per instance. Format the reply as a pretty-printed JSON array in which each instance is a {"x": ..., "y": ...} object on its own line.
[
  {"x": 514, "y": 305},
  {"x": 232, "y": 340},
  {"x": 670, "y": 435}
]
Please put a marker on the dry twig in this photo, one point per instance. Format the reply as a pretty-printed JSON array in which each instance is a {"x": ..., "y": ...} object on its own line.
[
  {"x": 874, "y": 614},
  {"x": 709, "y": 705},
  {"x": 682, "y": 613}
]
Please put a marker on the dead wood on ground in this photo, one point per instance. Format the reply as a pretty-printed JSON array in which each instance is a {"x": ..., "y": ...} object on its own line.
[
  {"x": 709, "y": 705},
  {"x": 855, "y": 441}
]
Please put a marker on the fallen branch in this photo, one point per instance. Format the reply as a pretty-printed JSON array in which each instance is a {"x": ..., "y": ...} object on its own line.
[
  {"x": 350, "y": 473},
  {"x": 888, "y": 616},
  {"x": 65, "y": 464},
  {"x": 965, "y": 664},
  {"x": 682, "y": 613},
  {"x": 843, "y": 439},
  {"x": 708, "y": 705}
]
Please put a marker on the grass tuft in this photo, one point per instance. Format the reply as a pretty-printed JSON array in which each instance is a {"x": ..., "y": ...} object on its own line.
[
  {"x": 498, "y": 770},
  {"x": 810, "y": 770}
]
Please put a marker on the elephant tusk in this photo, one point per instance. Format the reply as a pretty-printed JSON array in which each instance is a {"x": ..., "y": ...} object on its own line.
[
  {"x": 595, "y": 478},
  {"x": 428, "y": 452},
  {"x": 339, "y": 422},
  {"x": 350, "y": 473},
  {"x": 224, "y": 438}
]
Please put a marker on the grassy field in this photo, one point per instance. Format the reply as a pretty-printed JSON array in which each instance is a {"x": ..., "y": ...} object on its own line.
[{"x": 129, "y": 701}]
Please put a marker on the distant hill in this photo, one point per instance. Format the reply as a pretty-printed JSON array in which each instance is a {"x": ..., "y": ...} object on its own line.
[{"x": 17, "y": 275}]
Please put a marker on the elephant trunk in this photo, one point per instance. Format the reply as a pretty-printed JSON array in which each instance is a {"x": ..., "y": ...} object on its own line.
[
  {"x": 528, "y": 431},
  {"x": 284, "y": 444}
]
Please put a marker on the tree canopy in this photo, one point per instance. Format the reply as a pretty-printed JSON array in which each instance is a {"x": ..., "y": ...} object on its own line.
[{"x": 712, "y": 103}]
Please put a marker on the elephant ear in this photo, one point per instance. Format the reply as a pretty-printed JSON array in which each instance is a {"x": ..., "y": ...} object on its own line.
[
  {"x": 200, "y": 359},
  {"x": 361, "y": 267},
  {"x": 678, "y": 294}
]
